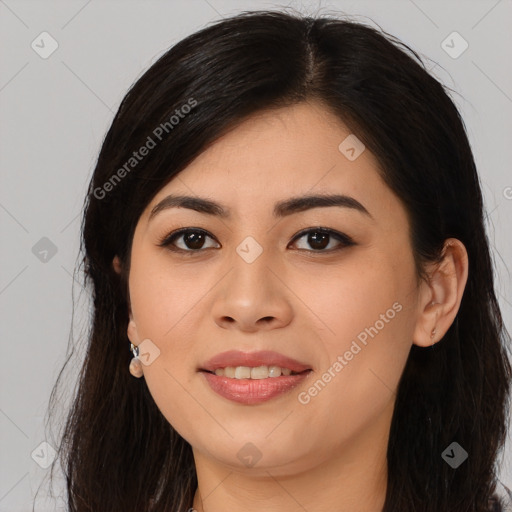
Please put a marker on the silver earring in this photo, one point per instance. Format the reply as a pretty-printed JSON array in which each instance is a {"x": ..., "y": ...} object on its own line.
[{"x": 135, "y": 364}]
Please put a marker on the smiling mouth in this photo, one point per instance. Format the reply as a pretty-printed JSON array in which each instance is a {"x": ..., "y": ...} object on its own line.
[
  {"x": 252, "y": 385},
  {"x": 254, "y": 372}
]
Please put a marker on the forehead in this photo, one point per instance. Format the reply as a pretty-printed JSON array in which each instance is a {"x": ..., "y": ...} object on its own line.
[{"x": 281, "y": 153}]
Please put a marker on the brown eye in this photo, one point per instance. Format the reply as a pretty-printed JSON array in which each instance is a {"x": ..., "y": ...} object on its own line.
[
  {"x": 320, "y": 238},
  {"x": 193, "y": 240}
]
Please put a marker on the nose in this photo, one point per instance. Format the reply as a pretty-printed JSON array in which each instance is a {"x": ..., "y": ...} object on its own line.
[{"x": 252, "y": 298}]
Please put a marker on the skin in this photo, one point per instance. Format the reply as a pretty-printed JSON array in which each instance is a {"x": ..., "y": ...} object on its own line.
[{"x": 328, "y": 454}]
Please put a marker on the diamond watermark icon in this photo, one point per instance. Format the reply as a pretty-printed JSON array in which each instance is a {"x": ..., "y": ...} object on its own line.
[
  {"x": 44, "y": 250},
  {"x": 249, "y": 455},
  {"x": 249, "y": 249},
  {"x": 44, "y": 455},
  {"x": 454, "y": 455},
  {"x": 44, "y": 45},
  {"x": 148, "y": 352},
  {"x": 454, "y": 45},
  {"x": 351, "y": 147}
]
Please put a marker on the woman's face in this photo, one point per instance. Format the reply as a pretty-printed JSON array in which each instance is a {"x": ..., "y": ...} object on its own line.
[{"x": 261, "y": 279}]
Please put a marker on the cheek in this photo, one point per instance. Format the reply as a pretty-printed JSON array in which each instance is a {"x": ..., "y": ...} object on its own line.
[
  {"x": 163, "y": 309},
  {"x": 358, "y": 379},
  {"x": 360, "y": 294},
  {"x": 371, "y": 320},
  {"x": 162, "y": 299},
  {"x": 365, "y": 308},
  {"x": 166, "y": 308}
]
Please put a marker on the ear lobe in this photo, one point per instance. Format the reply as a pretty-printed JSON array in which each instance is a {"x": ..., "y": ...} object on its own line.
[
  {"x": 116, "y": 263},
  {"x": 131, "y": 331},
  {"x": 441, "y": 295}
]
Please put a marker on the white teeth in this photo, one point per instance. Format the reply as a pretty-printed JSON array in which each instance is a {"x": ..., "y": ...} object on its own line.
[
  {"x": 246, "y": 372},
  {"x": 274, "y": 371},
  {"x": 260, "y": 372},
  {"x": 229, "y": 372},
  {"x": 242, "y": 372}
]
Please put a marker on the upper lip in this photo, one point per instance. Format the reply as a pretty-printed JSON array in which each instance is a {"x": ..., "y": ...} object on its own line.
[{"x": 252, "y": 359}]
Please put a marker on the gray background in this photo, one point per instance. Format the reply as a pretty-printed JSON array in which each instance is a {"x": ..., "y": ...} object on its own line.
[{"x": 56, "y": 110}]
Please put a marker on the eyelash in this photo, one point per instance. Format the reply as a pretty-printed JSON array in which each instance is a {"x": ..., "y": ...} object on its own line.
[{"x": 168, "y": 240}]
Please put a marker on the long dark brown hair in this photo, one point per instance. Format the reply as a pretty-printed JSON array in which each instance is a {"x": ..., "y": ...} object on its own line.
[{"x": 118, "y": 452}]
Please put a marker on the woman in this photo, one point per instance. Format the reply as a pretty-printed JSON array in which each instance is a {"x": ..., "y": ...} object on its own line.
[{"x": 285, "y": 226}]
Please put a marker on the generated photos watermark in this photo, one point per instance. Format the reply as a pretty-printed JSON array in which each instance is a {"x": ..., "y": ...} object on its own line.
[
  {"x": 157, "y": 135},
  {"x": 304, "y": 397}
]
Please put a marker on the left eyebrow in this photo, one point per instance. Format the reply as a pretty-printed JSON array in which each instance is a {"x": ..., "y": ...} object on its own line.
[
  {"x": 281, "y": 208},
  {"x": 299, "y": 204}
]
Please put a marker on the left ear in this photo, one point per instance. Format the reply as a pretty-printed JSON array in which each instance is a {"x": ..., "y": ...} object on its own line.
[{"x": 441, "y": 294}]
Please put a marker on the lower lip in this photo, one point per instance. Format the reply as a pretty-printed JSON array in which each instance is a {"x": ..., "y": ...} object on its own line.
[{"x": 253, "y": 391}]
